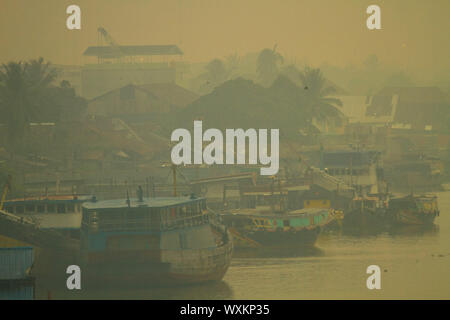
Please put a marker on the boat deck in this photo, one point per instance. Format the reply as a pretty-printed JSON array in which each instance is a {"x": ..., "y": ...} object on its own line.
[{"x": 267, "y": 213}]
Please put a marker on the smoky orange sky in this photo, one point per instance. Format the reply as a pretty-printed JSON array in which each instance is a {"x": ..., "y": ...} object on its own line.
[{"x": 414, "y": 33}]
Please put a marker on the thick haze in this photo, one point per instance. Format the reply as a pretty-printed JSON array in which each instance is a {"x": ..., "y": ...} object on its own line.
[{"x": 414, "y": 35}]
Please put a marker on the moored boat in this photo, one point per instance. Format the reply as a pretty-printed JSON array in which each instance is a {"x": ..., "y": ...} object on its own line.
[
  {"x": 156, "y": 241},
  {"x": 414, "y": 210},
  {"x": 60, "y": 213},
  {"x": 367, "y": 212},
  {"x": 298, "y": 228}
]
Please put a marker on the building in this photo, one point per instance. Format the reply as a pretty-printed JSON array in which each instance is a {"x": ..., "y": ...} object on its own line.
[
  {"x": 110, "y": 68},
  {"x": 417, "y": 108},
  {"x": 140, "y": 100}
]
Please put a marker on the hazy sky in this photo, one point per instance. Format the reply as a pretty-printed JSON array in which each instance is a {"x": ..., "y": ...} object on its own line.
[{"x": 415, "y": 32}]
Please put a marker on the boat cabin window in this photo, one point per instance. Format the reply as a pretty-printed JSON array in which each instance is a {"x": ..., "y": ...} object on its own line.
[
  {"x": 137, "y": 214},
  {"x": 61, "y": 208},
  {"x": 29, "y": 208},
  {"x": 286, "y": 223},
  {"x": 143, "y": 218},
  {"x": 51, "y": 208},
  {"x": 10, "y": 209},
  {"x": 40, "y": 208},
  {"x": 70, "y": 208},
  {"x": 20, "y": 209}
]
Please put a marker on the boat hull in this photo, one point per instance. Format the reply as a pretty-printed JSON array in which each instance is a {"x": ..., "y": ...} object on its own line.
[
  {"x": 407, "y": 217},
  {"x": 367, "y": 218},
  {"x": 159, "y": 266},
  {"x": 294, "y": 229},
  {"x": 165, "y": 268}
]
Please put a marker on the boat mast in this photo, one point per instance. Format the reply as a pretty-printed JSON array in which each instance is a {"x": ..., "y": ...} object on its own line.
[{"x": 174, "y": 172}]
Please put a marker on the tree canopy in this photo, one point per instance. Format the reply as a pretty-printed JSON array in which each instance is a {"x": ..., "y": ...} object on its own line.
[{"x": 28, "y": 94}]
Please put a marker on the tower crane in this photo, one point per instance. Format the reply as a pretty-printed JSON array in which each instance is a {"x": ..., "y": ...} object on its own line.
[{"x": 117, "y": 52}]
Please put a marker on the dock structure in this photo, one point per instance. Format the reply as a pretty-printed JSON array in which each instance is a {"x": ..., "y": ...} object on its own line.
[
  {"x": 28, "y": 231},
  {"x": 330, "y": 183}
]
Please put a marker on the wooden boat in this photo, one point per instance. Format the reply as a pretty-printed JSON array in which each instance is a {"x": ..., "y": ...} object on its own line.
[
  {"x": 60, "y": 213},
  {"x": 254, "y": 228},
  {"x": 414, "y": 210},
  {"x": 155, "y": 241},
  {"x": 278, "y": 215},
  {"x": 367, "y": 212}
]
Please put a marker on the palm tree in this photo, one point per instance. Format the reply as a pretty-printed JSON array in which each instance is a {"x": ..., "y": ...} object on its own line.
[
  {"x": 318, "y": 104},
  {"x": 15, "y": 100},
  {"x": 267, "y": 65},
  {"x": 217, "y": 72},
  {"x": 23, "y": 87}
]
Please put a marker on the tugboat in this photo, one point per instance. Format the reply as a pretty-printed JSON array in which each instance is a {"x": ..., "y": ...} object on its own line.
[
  {"x": 367, "y": 211},
  {"x": 362, "y": 171},
  {"x": 414, "y": 210},
  {"x": 155, "y": 241}
]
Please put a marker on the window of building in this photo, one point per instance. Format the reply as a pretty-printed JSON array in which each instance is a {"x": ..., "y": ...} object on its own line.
[
  {"x": 183, "y": 241},
  {"x": 20, "y": 209}
]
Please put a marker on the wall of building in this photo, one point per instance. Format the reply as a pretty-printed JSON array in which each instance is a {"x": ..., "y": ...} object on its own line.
[{"x": 99, "y": 79}]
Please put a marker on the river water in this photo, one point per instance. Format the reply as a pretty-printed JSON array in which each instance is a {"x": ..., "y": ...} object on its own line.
[{"x": 415, "y": 264}]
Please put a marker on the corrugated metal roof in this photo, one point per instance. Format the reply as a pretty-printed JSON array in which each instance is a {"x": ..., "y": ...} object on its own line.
[
  {"x": 15, "y": 263},
  {"x": 159, "y": 202},
  {"x": 48, "y": 199},
  {"x": 147, "y": 50}
]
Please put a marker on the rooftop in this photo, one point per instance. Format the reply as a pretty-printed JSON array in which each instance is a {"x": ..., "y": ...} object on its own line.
[
  {"x": 49, "y": 199},
  {"x": 143, "y": 50},
  {"x": 159, "y": 202}
]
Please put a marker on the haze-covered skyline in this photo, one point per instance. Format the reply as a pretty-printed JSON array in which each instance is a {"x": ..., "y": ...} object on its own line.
[{"x": 413, "y": 36}]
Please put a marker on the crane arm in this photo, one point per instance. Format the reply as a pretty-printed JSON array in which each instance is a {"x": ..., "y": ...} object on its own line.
[{"x": 111, "y": 41}]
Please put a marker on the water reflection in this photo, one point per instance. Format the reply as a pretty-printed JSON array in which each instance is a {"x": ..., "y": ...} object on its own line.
[
  {"x": 55, "y": 290},
  {"x": 277, "y": 252},
  {"x": 426, "y": 230},
  {"x": 415, "y": 261}
]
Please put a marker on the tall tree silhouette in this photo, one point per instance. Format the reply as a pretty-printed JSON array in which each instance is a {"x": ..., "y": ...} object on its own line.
[
  {"x": 217, "y": 73},
  {"x": 23, "y": 89},
  {"x": 317, "y": 101},
  {"x": 267, "y": 65}
]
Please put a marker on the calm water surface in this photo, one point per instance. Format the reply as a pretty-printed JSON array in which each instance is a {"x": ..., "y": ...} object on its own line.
[{"x": 415, "y": 264}]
